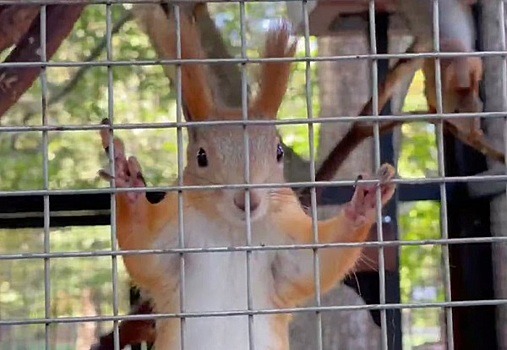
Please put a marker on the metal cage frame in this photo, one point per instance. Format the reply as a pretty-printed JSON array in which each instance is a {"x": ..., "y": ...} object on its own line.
[{"x": 460, "y": 169}]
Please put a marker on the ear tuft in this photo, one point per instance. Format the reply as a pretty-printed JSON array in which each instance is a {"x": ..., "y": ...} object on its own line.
[
  {"x": 196, "y": 89},
  {"x": 274, "y": 76},
  {"x": 278, "y": 40}
]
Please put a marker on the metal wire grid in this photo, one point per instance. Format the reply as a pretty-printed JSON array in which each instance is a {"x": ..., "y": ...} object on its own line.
[
  {"x": 45, "y": 145},
  {"x": 313, "y": 194},
  {"x": 441, "y": 172},
  {"x": 105, "y": 63},
  {"x": 110, "y": 113},
  {"x": 249, "y": 248},
  {"x": 376, "y": 138},
  {"x": 181, "y": 229}
]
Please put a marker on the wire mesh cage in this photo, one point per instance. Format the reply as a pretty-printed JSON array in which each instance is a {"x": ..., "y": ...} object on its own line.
[{"x": 234, "y": 219}]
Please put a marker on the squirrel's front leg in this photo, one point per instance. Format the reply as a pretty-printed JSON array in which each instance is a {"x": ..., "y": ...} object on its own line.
[
  {"x": 140, "y": 216},
  {"x": 293, "y": 270}
]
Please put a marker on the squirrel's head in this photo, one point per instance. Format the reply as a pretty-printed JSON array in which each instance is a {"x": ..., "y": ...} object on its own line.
[
  {"x": 461, "y": 79},
  {"x": 218, "y": 154}
]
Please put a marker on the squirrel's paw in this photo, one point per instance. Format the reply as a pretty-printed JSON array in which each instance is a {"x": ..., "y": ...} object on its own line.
[
  {"x": 362, "y": 207},
  {"x": 127, "y": 172}
]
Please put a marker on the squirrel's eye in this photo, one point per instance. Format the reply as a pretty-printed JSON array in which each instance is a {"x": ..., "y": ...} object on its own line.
[
  {"x": 279, "y": 153},
  {"x": 202, "y": 159}
]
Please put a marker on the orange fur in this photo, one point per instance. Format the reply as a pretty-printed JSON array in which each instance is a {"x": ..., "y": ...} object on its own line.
[
  {"x": 460, "y": 75},
  {"x": 287, "y": 276},
  {"x": 460, "y": 91},
  {"x": 148, "y": 218},
  {"x": 334, "y": 263},
  {"x": 274, "y": 76},
  {"x": 140, "y": 224},
  {"x": 194, "y": 80},
  {"x": 162, "y": 32}
]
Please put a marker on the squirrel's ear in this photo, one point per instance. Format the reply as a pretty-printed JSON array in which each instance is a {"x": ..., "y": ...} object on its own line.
[
  {"x": 161, "y": 29},
  {"x": 274, "y": 76},
  {"x": 195, "y": 86}
]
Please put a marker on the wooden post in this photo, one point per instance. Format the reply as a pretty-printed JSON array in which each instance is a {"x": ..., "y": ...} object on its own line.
[
  {"x": 495, "y": 100},
  {"x": 344, "y": 88}
]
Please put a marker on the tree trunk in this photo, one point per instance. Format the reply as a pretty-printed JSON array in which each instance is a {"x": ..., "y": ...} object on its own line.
[
  {"x": 344, "y": 88},
  {"x": 495, "y": 101}
]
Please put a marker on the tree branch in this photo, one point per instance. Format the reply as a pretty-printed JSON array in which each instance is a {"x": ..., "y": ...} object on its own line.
[
  {"x": 14, "y": 81},
  {"x": 228, "y": 76},
  {"x": 403, "y": 68},
  {"x": 71, "y": 85},
  {"x": 14, "y": 22},
  {"x": 480, "y": 144},
  {"x": 93, "y": 56},
  {"x": 360, "y": 131},
  {"x": 354, "y": 137}
]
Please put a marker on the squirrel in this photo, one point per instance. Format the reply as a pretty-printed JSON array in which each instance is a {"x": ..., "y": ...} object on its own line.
[
  {"x": 217, "y": 217},
  {"x": 461, "y": 76}
]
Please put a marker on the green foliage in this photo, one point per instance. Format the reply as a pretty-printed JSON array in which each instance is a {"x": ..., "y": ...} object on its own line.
[
  {"x": 418, "y": 156},
  {"x": 419, "y": 264}
]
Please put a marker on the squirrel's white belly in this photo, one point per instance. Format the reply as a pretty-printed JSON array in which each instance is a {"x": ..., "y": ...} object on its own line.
[{"x": 217, "y": 282}]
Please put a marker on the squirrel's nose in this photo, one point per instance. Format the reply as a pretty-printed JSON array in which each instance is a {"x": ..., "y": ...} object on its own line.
[{"x": 239, "y": 201}]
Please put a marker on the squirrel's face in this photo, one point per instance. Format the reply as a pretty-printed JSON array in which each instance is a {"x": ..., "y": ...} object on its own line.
[{"x": 217, "y": 156}]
